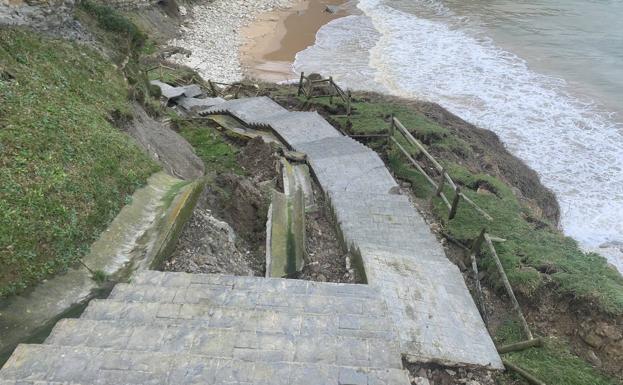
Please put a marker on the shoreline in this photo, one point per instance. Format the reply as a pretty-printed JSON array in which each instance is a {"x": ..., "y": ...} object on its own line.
[
  {"x": 274, "y": 38},
  {"x": 215, "y": 46}
]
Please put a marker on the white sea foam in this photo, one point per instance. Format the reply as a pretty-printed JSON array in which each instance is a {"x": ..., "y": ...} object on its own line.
[{"x": 577, "y": 149}]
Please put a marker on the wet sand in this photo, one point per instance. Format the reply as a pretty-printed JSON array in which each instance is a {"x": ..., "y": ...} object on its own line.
[{"x": 274, "y": 38}]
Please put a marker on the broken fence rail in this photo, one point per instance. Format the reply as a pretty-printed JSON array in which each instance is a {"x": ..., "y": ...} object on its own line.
[
  {"x": 176, "y": 79},
  {"x": 216, "y": 88},
  {"x": 307, "y": 86}
]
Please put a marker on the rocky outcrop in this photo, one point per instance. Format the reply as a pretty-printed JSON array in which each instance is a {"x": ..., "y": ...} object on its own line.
[
  {"x": 165, "y": 146},
  {"x": 53, "y": 17}
]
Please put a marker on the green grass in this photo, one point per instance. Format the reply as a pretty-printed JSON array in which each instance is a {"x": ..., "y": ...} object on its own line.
[
  {"x": 551, "y": 363},
  {"x": 532, "y": 246},
  {"x": 127, "y": 34},
  {"x": 65, "y": 170},
  {"x": 218, "y": 155}
]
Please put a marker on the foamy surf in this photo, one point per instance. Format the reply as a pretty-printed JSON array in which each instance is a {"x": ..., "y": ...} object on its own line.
[{"x": 575, "y": 147}]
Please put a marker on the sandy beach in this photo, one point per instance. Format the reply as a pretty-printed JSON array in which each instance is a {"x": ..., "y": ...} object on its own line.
[
  {"x": 212, "y": 35},
  {"x": 234, "y": 39},
  {"x": 274, "y": 38}
]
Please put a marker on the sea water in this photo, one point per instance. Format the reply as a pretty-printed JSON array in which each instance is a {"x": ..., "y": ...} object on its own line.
[{"x": 545, "y": 75}]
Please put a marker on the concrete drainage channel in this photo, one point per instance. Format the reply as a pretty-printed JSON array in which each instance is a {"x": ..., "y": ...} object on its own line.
[{"x": 285, "y": 228}]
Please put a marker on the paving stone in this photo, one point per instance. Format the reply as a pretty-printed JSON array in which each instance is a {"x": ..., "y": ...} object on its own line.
[
  {"x": 167, "y": 90},
  {"x": 295, "y": 128},
  {"x": 251, "y": 111},
  {"x": 196, "y": 104},
  {"x": 179, "y": 328},
  {"x": 62, "y": 364}
]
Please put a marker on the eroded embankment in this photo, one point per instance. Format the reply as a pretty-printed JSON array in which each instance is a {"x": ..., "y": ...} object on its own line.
[{"x": 227, "y": 231}]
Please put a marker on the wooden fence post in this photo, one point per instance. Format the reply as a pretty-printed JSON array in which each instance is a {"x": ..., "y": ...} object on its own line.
[
  {"x": 509, "y": 289},
  {"x": 212, "y": 88},
  {"x": 331, "y": 88},
  {"x": 455, "y": 202},
  {"x": 301, "y": 84},
  {"x": 348, "y": 107},
  {"x": 473, "y": 251},
  {"x": 440, "y": 185},
  {"x": 525, "y": 374},
  {"x": 390, "y": 132}
]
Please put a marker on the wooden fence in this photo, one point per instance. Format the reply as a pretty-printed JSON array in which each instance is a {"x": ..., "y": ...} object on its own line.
[
  {"x": 216, "y": 88},
  {"x": 178, "y": 81},
  {"x": 307, "y": 87},
  {"x": 396, "y": 127}
]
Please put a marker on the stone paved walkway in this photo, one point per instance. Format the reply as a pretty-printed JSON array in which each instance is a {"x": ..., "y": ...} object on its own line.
[
  {"x": 177, "y": 328},
  {"x": 427, "y": 297}
]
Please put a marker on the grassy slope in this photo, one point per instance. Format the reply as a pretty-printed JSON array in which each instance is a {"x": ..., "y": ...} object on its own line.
[
  {"x": 217, "y": 154},
  {"x": 65, "y": 170},
  {"x": 529, "y": 248}
]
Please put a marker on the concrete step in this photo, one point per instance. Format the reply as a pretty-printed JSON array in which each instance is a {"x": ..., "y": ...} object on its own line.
[
  {"x": 85, "y": 365},
  {"x": 332, "y": 147},
  {"x": 362, "y": 172},
  {"x": 224, "y": 296},
  {"x": 228, "y": 343},
  {"x": 258, "y": 320},
  {"x": 259, "y": 284},
  {"x": 297, "y": 128}
]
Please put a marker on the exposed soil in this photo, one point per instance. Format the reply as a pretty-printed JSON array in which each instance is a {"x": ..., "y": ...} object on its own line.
[
  {"x": 596, "y": 337},
  {"x": 433, "y": 374},
  {"x": 226, "y": 233},
  {"x": 209, "y": 245},
  {"x": 326, "y": 259}
]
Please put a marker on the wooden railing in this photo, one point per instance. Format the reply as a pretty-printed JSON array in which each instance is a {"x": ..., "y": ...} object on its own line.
[
  {"x": 396, "y": 131},
  {"x": 396, "y": 127},
  {"x": 307, "y": 87},
  {"x": 176, "y": 79},
  {"x": 216, "y": 89}
]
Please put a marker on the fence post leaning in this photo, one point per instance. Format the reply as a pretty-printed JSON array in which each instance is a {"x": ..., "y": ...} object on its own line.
[
  {"x": 390, "y": 133},
  {"x": 300, "y": 84},
  {"x": 212, "y": 88},
  {"x": 508, "y": 287},
  {"x": 439, "y": 190},
  {"x": 455, "y": 202},
  {"x": 473, "y": 251},
  {"x": 348, "y": 103}
]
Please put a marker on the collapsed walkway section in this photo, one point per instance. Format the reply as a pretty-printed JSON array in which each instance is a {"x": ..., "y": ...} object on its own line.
[{"x": 426, "y": 295}]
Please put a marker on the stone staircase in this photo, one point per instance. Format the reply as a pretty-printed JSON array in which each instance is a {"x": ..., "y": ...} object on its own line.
[
  {"x": 177, "y": 328},
  {"x": 427, "y": 299}
]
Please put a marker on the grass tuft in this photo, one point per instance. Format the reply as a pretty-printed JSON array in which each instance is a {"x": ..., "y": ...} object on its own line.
[{"x": 218, "y": 155}]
